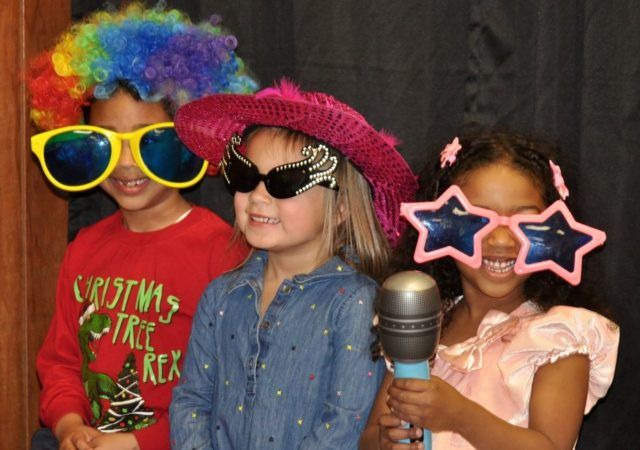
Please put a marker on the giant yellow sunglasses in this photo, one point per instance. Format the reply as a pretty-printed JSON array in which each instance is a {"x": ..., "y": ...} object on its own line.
[{"x": 80, "y": 157}]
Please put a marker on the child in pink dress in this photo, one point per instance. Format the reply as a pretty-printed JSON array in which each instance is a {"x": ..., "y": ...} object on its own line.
[{"x": 516, "y": 367}]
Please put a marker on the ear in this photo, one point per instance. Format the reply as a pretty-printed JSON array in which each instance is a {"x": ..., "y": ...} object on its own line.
[{"x": 342, "y": 213}]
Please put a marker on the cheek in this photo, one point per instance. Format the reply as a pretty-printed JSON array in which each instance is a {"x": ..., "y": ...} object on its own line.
[
  {"x": 302, "y": 211},
  {"x": 466, "y": 271},
  {"x": 311, "y": 200},
  {"x": 240, "y": 201}
]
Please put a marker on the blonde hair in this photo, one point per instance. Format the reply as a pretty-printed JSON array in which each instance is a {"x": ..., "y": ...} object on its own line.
[{"x": 351, "y": 228}]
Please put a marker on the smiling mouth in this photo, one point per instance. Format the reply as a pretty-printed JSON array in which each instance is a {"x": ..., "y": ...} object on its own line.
[
  {"x": 498, "y": 265},
  {"x": 263, "y": 219},
  {"x": 130, "y": 183}
]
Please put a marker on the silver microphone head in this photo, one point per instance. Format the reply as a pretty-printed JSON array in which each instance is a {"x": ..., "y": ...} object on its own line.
[{"x": 409, "y": 315}]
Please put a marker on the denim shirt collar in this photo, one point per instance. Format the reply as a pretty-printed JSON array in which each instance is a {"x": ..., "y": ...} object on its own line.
[{"x": 252, "y": 271}]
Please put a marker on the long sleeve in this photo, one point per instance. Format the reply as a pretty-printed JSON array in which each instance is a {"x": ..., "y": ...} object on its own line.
[
  {"x": 356, "y": 377},
  {"x": 190, "y": 409},
  {"x": 59, "y": 360}
]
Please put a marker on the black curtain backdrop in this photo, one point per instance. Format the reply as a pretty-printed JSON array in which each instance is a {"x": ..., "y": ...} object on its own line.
[{"x": 568, "y": 71}]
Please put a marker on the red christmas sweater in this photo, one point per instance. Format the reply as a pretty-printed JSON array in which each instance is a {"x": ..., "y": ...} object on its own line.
[{"x": 124, "y": 305}]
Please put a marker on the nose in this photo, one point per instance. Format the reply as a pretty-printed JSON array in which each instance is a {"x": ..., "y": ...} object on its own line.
[
  {"x": 126, "y": 157},
  {"x": 502, "y": 237},
  {"x": 260, "y": 193}
]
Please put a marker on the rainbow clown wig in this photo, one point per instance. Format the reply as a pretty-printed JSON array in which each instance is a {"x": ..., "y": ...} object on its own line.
[{"x": 159, "y": 53}]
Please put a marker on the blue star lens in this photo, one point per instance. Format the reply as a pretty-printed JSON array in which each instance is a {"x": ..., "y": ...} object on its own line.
[
  {"x": 553, "y": 240},
  {"x": 451, "y": 225}
]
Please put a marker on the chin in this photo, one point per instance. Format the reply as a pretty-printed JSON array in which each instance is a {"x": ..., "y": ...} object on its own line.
[
  {"x": 150, "y": 197},
  {"x": 495, "y": 286},
  {"x": 499, "y": 290}
]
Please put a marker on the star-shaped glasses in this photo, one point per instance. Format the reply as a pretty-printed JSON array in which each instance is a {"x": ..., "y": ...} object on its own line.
[{"x": 451, "y": 226}]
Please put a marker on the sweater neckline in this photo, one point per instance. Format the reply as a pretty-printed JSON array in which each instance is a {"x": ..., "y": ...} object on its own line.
[{"x": 141, "y": 238}]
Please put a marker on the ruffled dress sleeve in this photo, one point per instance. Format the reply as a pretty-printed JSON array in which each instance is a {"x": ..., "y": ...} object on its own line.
[{"x": 561, "y": 332}]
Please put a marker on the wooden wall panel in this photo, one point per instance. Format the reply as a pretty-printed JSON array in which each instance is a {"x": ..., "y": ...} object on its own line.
[
  {"x": 32, "y": 220},
  {"x": 13, "y": 305}
]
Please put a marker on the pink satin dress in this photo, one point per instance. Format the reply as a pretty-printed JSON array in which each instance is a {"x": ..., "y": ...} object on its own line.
[{"x": 496, "y": 367}]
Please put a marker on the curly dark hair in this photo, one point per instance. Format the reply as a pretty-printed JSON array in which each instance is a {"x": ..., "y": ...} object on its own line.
[{"x": 530, "y": 156}]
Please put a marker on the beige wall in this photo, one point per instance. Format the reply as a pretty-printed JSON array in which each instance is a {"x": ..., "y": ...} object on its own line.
[{"x": 32, "y": 220}]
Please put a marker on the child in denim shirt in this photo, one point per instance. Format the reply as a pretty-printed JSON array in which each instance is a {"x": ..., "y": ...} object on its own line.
[{"x": 279, "y": 355}]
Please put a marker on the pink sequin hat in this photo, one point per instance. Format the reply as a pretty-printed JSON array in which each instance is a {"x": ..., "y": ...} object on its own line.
[{"x": 205, "y": 126}]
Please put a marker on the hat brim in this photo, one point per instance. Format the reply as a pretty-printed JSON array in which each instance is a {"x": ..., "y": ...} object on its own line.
[{"x": 205, "y": 126}]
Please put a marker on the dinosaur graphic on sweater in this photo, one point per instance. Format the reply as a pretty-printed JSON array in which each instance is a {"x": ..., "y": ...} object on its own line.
[
  {"x": 97, "y": 385},
  {"x": 126, "y": 411}
]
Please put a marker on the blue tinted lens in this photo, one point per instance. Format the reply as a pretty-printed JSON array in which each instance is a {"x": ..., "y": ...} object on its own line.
[
  {"x": 553, "y": 240},
  {"x": 77, "y": 157},
  {"x": 167, "y": 157},
  {"x": 451, "y": 225}
]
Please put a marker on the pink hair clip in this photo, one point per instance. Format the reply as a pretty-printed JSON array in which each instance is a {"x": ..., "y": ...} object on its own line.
[
  {"x": 448, "y": 154},
  {"x": 558, "y": 181}
]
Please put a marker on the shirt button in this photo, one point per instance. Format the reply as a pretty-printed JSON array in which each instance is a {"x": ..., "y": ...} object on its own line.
[
  {"x": 265, "y": 325},
  {"x": 286, "y": 289}
]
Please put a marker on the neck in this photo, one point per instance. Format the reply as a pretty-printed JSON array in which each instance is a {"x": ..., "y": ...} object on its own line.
[
  {"x": 477, "y": 304},
  {"x": 155, "y": 217},
  {"x": 280, "y": 266}
]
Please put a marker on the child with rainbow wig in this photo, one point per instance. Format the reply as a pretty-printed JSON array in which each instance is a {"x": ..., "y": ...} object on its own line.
[{"x": 129, "y": 285}]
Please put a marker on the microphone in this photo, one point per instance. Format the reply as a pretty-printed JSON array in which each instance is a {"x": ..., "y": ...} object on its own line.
[{"x": 409, "y": 317}]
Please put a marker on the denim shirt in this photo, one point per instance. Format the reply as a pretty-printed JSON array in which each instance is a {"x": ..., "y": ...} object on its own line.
[{"x": 300, "y": 378}]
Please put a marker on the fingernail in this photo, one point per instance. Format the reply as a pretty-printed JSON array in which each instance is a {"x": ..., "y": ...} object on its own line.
[{"x": 404, "y": 424}]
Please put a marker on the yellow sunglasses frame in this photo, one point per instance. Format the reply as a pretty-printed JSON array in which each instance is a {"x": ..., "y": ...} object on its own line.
[{"x": 115, "y": 139}]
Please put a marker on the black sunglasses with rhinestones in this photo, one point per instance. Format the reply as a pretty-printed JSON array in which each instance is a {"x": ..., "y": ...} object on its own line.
[{"x": 284, "y": 181}]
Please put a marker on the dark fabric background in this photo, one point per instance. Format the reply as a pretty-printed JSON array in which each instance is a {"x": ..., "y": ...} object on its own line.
[{"x": 569, "y": 71}]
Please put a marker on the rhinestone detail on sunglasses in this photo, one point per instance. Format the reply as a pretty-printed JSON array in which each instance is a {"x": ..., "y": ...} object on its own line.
[{"x": 316, "y": 157}]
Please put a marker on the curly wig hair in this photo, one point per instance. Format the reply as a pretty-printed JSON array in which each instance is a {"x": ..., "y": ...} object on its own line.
[{"x": 157, "y": 52}]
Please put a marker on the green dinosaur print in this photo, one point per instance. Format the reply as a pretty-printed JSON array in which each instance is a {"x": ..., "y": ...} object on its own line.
[{"x": 97, "y": 385}]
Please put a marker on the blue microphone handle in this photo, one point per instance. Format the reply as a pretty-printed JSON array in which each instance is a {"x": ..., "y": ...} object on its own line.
[{"x": 418, "y": 370}]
